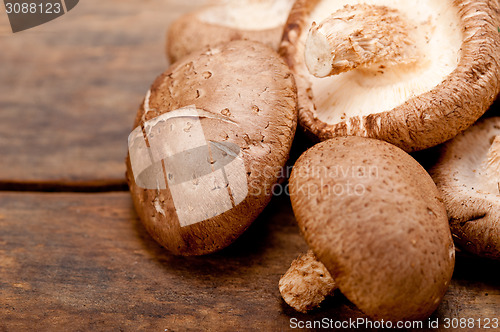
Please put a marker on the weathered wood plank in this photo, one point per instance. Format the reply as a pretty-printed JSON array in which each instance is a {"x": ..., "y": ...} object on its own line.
[
  {"x": 84, "y": 262},
  {"x": 69, "y": 91}
]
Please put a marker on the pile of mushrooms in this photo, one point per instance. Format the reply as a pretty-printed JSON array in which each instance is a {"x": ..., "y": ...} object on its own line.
[
  {"x": 413, "y": 74},
  {"x": 371, "y": 82}
]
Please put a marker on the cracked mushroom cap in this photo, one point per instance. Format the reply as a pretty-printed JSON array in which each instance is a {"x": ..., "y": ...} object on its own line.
[
  {"x": 468, "y": 176},
  {"x": 259, "y": 20},
  {"x": 372, "y": 215},
  {"x": 219, "y": 125},
  {"x": 412, "y": 73}
]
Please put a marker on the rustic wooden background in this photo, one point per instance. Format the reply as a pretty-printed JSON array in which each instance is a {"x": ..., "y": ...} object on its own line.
[
  {"x": 73, "y": 255},
  {"x": 70, "y": 90}
]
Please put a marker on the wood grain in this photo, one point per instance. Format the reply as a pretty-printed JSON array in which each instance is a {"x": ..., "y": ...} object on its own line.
[
  {"x": 84, "y": 262},
  {"x": 69, "y": 91}
]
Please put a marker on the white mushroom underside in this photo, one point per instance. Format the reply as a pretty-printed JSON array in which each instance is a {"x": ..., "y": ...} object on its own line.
[
  {"x": 471, "y": 160},
  {"x": 248, "y": 14},
  {"x": 436, "y": 30}
]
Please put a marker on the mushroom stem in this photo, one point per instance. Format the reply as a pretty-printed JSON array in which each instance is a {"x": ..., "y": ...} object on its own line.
[
  {"x": 493, "y": 162},
  {"x": 358, "y": 36},
  {"x": 306, "y": 283}
]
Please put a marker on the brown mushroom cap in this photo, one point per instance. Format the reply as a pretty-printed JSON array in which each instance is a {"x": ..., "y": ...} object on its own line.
[
  {"x": 413, "y": 106},
  {"x": 373, "y": 216},
  {"x": 259, "y": 20},
  {"x": 468, "y": 176},
  {"x": 245, "y": 95}
]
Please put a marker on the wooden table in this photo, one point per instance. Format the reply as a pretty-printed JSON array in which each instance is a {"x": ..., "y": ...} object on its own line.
[{"x": 73, "y": 255}]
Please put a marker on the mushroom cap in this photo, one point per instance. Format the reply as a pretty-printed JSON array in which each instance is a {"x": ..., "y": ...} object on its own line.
[
  {"x": 411, "y": 106},
  {"x": 471, "y": 195},
  {"x": 261, "y": 21},
  {"x": 244, "y": 95},
  {"x": 373, "y": 216}
]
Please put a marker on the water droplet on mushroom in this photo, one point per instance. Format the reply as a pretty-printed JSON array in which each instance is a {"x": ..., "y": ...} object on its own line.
[
  {"x": 226, "y": 112},
  {"x": 255, "y": 108},
  {"x": 207, "y": 75},
  {"x": 188, "y": 127}
]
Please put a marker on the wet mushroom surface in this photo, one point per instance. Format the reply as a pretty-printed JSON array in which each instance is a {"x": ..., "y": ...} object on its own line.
[{"x": 189, "y": 199}]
